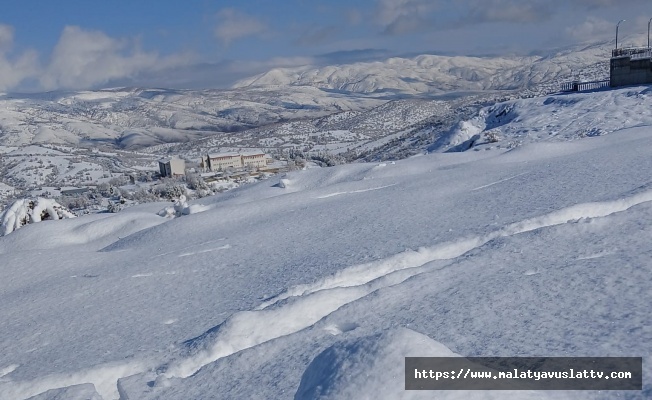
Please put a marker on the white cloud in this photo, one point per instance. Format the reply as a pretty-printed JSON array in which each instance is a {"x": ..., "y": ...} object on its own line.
[
  {"x": 591, "y": 29},
  {"x": 14, "y": 70},
  {"x": 233, "y": 24},
  {"x": 83, "y": 59}
]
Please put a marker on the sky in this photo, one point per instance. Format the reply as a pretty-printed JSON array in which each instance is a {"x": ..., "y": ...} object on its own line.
[{"x": 80, "y": 44}]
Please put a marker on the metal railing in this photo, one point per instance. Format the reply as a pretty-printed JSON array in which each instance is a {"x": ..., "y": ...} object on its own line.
[
  {"x": 577, "y": 86},
  {"x": 632, "y": 52},
  {"x": 645, "y": 54}
]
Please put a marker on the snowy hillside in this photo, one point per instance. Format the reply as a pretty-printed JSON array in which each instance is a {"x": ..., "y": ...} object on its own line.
[
  {"x": 335, "y": 134},
  {"x": 559, "y": 117},
  {"x": 318, "y": 285},
  {"x": 133, "y": 118}
]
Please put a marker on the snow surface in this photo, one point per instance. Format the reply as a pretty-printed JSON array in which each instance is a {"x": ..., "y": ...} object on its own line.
[
  {"x": 560, "y": 117},
  {"x": 319, "y": 287}
]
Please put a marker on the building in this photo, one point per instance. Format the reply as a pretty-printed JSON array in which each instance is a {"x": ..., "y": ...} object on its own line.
[
  {"x": 74, "y": 191},
  {"x": 630, "y": 66},
  {"x": 217, "y": 162},
  {"x": 254, "y": 160},
  {"x": 172, "y": 167}
]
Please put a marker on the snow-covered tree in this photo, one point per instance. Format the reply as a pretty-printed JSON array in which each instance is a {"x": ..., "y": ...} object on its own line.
[
  {"x": 179, "y": 208},
  {"x": 492, "y": 136},
  {"x": 26, "y": 211}
]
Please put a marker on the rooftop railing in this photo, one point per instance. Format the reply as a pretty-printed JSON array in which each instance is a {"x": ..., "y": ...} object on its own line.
[{"x": 632, "y": 52}]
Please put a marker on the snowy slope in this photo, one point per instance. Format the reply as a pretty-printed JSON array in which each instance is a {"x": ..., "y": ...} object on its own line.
[
  {"x": 542, "y": 250},
  {"x": 559, "y": 117}
]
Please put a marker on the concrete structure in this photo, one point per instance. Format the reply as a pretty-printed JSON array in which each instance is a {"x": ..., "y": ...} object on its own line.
[
  {"x": 217, "y": 162},
  {"x": 630, "y": 66},
  {"x": 172, "y": 167}
]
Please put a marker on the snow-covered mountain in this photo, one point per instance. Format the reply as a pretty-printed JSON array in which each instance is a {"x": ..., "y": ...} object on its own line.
[
  {"x": 317, "y": 284},
  {"x": 440, "y": 74}
]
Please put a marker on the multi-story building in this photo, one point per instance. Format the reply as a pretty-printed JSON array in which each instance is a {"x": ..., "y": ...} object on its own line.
[
  {"x": 172, "y": 167},
  {"x": 216, "y": 162}
]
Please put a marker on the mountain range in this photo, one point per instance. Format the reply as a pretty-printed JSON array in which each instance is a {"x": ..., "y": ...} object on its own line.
[{"x": 131, "y": 118}]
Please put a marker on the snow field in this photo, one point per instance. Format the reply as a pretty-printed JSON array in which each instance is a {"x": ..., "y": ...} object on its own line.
[{"x": 541, "y": 250}]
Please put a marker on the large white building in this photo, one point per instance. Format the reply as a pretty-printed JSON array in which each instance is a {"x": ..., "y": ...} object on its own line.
[{"x": 216, "y": 162}]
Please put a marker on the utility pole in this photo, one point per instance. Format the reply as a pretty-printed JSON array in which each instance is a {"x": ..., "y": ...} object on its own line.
[
  {"x": 617, "y": 26},
  {"x": 648, "y": 32}
]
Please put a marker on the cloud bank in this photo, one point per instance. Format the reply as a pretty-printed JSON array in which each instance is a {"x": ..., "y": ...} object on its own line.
[
  {"x": 396, "y": 17},
  {"x": 80, "y": 59},
  {"x": 84, "y": 58}
]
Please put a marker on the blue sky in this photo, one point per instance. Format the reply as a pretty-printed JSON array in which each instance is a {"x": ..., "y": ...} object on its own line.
[{"x": 76, "y": 44}]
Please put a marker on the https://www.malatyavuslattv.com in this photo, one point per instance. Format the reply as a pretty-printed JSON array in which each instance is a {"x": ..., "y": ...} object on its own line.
[{"x": 523, "y": 373}]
